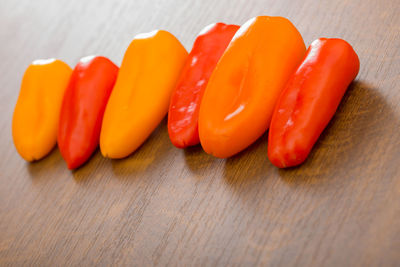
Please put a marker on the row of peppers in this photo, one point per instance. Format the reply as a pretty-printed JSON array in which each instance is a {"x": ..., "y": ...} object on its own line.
[{"x": 234, "y": 84}]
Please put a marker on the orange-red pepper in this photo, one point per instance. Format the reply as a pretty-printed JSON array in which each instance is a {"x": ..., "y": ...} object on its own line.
[
  {"x": 310, "y": 99},
  {"x": 83, "y": 107},
  {"x": 37, "y": 112},
  {"x": 238, "y": 102},
  {"x": 184, "y": 107}
]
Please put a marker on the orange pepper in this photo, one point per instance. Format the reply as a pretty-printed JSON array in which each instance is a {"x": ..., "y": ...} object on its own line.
[
  {"x": 140, "y": 98},
  {"x": 240, "y": 97},
  {"x": 36, "y": 114}
]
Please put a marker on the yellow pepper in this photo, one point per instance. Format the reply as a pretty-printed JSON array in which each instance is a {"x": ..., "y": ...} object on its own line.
[
  {"x": 140, "y": 98},
  {"x": 36, "y": 114}
]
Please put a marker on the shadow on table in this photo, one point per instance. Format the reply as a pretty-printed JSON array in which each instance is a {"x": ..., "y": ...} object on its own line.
[
  {"x": 250, "y": 165},
  {"x": 352, "y": 141},
  {"x": 150, "y": 153},
  {"x": 91, "y": 168},
  {"x": 38, "y": 170},
  {"x": 360, "y": 126},
  {"x": 53, "y": 164},
  {"x": 363, "y": 130},
  {"x": 199, "y": 161}
]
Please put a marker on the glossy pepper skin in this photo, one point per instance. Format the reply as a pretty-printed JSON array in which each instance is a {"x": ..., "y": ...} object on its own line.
[
  {"x": 82, "y": 109},
  {"x": 238, "y": 102},
  {"x": 140, "y": 98},
  {"x": 36, "y": 114},
  {"x": 310, "y": 100},
  {"x": 183, "y": 114}
]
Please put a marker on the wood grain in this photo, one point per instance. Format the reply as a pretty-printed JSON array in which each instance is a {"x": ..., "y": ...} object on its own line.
[{"x": 164, "y": 206}]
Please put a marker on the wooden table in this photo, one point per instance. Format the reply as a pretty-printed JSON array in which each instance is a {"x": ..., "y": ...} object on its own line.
[{"x": 165, "y": 206}]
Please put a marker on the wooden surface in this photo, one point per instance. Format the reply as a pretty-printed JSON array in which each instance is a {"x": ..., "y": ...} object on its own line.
[{"x": 164, "y": 206}]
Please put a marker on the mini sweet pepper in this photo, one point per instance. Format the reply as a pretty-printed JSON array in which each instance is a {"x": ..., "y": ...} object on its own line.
[
  {"x": 310, "y": 100},
  {"x": 140, "y": 98},
  {"x": 238, "y": 102},
  {"x": 184, "y": 108},
  {"x": 82, "y": 109},
  {"x": 37, "y": 112}
]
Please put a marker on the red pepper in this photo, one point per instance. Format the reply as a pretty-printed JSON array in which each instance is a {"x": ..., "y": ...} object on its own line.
[
  {"x": 310, "y": 100},
  {"x": 185, "y": 101},
  {"x": 83, "y": 107}
]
